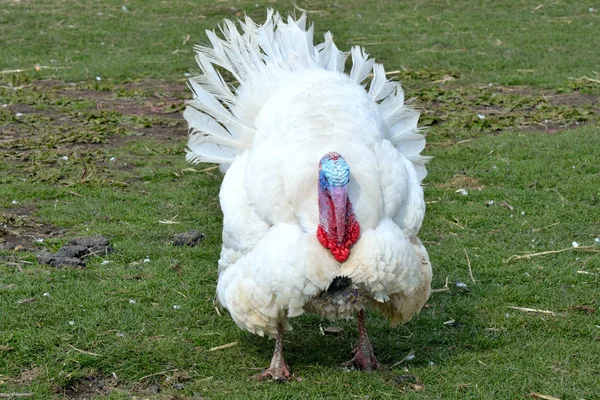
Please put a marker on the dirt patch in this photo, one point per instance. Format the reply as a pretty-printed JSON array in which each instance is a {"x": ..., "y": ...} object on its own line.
[
  {"x": 20, "y": 230},
  {"x": 51, "y": 114},
  {"x": 47, "y": 125},
  {"x": 94, "y": 386},
  {"x": 146, "y": 88},
  {"x": 575, "y": 99},
  {"x": 147, "y": 98},
  {"x": 25, "y": 378},
  {"x": 23, "y": 109},
  {"x": 461, "y": 112},
  {"x": 461, "y": 182},
  {"x": 570, "y": 98},
  {"x": 28, "y": 376},
  {"x": 61, "y": 134},
  {"x": 89, "y": 387}
]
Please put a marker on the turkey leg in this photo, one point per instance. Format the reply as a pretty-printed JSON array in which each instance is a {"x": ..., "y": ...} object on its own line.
[
  {"x": 364, "y": 358},
  {"x": 278, "y": 370}
]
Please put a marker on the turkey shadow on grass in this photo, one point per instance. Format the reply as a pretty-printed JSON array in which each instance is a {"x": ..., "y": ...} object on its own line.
[{"x": 430, "y": 336}]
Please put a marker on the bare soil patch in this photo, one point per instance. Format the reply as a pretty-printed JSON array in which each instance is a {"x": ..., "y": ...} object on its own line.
[
  {"x": 461, "y": 182},
  {"x": 569, "y": 98},
  {"x": 89, "y": 388},
  {"x": 95, "y": 386},
  {"x": 74, "y": 116},
  {"x": 29, "y": 375},
  {"x": 20, "y": 230},
  {"x": 468, "y": 112}
]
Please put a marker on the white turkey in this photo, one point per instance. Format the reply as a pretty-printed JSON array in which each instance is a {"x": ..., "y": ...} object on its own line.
[{"x": 321, "y": 199}]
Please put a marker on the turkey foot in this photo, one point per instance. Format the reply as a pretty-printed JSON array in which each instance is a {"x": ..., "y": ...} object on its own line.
[
  {"x": 364, "y": 358},
  {"x": 278, "y": 371}
]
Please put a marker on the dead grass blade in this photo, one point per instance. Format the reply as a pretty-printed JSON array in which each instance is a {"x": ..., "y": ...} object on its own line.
[
  {"x": 505, "y": 204},
  {"x": 409, "y": 356},
  {"x": 469, "y": 264},
  {"x": 444, "y": 289},
  {"x": 83, "y": 351},
  {"x": 305, "y": 10},
  {"x": 586, "y": 249},
  {"x": 585, "y": 78},
  {"x": 542, "y": 396},
  {"x": 14, "y": 395},
  {"x": 169, "y": 221},
  {"x": 224, "y": 346},
  {"x": 36, "y": 68},
  {"x": 457, "y": 224},
  {"x": 157, "y": 373},
  {"x": 545, "y": 227},
  {"x": 533, "y": 310},
  {"x": 201, "y": 170}
]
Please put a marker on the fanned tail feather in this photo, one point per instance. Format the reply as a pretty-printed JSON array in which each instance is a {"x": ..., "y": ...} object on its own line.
[
  {"x": 330, "y": 57},
  {"x": 361, "y": 64},
  {"x": 221, "y": 120}
]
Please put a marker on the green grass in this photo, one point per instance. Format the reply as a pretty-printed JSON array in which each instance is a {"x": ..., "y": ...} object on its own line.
[
  {"x": 528, "y": 155},
  {"x": 515, "y": 42}
]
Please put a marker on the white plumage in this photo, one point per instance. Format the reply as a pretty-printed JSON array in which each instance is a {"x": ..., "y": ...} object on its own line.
[{"x": 293, "y": 104}]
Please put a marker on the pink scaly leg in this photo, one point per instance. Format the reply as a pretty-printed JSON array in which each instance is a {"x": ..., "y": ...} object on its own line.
[
  {"x": 278, "y": 370},
  {"x": 364, "y": 358}
]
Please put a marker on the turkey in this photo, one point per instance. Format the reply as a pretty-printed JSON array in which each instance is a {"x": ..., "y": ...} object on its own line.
[{"x": 322, "y": 200}]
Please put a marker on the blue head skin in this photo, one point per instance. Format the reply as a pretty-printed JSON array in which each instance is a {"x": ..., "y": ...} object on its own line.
[
  {"x": 334, "y": 175},
  {"x": 333, "y": 171}
]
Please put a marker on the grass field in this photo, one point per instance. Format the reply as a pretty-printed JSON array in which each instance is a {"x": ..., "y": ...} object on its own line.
[{"x": 92, "y": 140}]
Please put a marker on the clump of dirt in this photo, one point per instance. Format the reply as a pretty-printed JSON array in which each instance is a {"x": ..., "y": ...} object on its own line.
[
  {"x": 76, "y": 252},
  {"x": 191, "y": 238}
]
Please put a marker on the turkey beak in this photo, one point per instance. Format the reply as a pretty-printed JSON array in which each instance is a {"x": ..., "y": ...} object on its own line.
[{"x": 339, "y": 196}]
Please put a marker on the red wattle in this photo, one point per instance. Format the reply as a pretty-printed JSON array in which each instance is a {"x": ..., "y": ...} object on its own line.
[
  {"x": 322, "y": 236},
  {"x": 340, "y": 253}
]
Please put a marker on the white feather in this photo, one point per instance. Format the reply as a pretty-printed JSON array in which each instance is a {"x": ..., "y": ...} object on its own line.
[
  {"x": 330, "y": 57},
  {"x": 361, "y": 64},
  {"x": 380, "y": 87}
]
